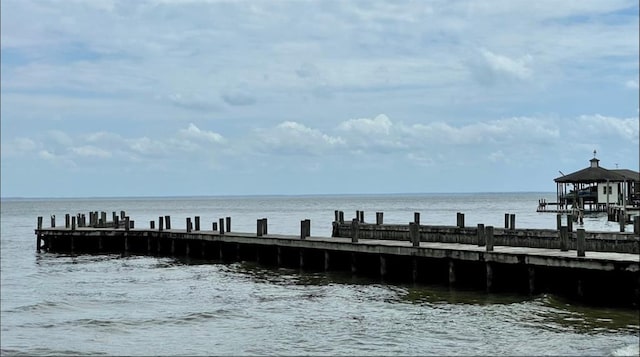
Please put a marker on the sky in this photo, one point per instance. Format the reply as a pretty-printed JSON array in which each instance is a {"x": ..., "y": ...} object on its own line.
[{"x": 108, "y": 98}]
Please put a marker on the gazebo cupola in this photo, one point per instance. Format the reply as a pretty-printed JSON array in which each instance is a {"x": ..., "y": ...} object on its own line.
[{"x": 594, "y": 162}]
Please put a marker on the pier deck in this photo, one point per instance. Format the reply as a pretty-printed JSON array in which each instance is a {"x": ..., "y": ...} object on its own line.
[{"x": 605, "y": 277}]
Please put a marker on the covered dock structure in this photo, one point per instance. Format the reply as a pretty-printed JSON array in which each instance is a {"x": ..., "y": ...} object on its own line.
[{"x": 596, "y": 189}]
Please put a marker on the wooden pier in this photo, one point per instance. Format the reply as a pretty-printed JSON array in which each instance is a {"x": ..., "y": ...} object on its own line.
[{"x": 423, "y": 254}]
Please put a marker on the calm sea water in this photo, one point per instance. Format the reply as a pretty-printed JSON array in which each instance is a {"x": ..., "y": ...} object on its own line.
[{"x": 113, "y": 305}]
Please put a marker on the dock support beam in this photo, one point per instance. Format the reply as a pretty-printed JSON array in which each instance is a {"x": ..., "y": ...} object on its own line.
[
  {"x": 581, "y": 242},
  {"x": 414, "y": 269},
  {"x": 354, "y": 231},
  {"x": 481, "y": 235},
  {"x": 414, "y": 230},
  {"x": 383, "y": 266},
  {"x": 354, "y": 268},
  {"x": 489, "y": 269},
  {"x": 39, "y": 239},
  {"x": 301, "y": 253},
  {"x": 278, "y": 256},
  {"x": 326, "y": 260},
  {"x": 488, "y": 233},
  {"x": 532, "y": 279},
  {"x": 564, "y": 238},
  {"x": 452, "y": 273}
]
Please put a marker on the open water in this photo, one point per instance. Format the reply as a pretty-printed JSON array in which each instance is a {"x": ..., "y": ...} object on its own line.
[{"x": 55, "y": 304}]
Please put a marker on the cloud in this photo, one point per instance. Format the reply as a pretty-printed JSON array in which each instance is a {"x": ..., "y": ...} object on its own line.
[
  {"x": 632, "y": 84},
  {"x": 194, "y": 132},
  {"x": 292, "y": 138},
  {"x": 91, "y": 151},
  {"x": 489, "y": 68},
  {"x": 18, "y": 147}
]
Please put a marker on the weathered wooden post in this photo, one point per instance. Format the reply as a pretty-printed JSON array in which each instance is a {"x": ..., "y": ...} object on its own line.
[
  {"x": 39, "y": 239},
  {"x": 569, "y": 223},
  {"x": 622, "y": 220},
  {"x": 564, "y": 238},
  {"x": 122, "y": 214},
  {"x": 341, "y": 216},
  {"x": 307, "y": 223},
  {"x": 558, "y": 221},
  {"x": 327, "y": 260},
  {"x": 488, "y": 231},
  {"x": 67, "y": 220},
  {"x": 116, "y": 222},
  {"x": 160, "y": 224},
  {"x": 103, "y": 216},
  {"x": 512, "y": 221},
  {"x": 152, "y": 224},
  {"x": 379, "y": 218},
  {"x": 259, "y": 227},
  {"x": 361, "y": 216},
  {"x": 53, "y": 221},
  {"x": 489, "y": 280},
  {"x": 197, "y": 219},
  {"x": 167, "y": 222},
  {"x": 636, "y": 224},
  {"x": 354, "y": 230},
  {"x": 416, "y": 217},
  {"x": 452, "y": 272},
  {"x": 84, "y": 220},
  {"x": 460, "y": 220},
  {"x": 414, "y": 230},
  {"x": 73, "y": 223},
  {"x": 580, "y": 244},
  {"x": 532, "y": 279},
  {"x": 188, "y": 223},
  {"x": 264, "y": 227},
  {"x": 127, "y": 225},
  {"x": 221, "y": 226},
  {"x": 114, "y": 218},
  {"x": 383, "y": 266},
  {"x": 506, "y": 221},
  {"x": 303, "y": 229},
  {"x": 228, "y": 226},
  {"x": 480, "y": 235},
  {"x": 214, "y": 226}
]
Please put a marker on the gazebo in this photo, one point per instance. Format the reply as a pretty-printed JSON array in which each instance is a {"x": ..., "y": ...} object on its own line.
[{"x": 594, "y": 188}]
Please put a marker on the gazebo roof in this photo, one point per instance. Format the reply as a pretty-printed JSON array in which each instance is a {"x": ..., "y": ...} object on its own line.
[
  {"x": 595, "y": 173},
  {"x": 591, "y": 175}
]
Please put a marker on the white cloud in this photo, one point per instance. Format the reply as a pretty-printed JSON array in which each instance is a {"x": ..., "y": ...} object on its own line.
[
  {"x": 294, "y": 138},
  {"x": 91, "y": 151},
  {"x": 195, "y": 133}
]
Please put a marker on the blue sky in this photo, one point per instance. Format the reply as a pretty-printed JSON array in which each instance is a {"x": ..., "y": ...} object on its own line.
[{"x": 168, "y": 97}]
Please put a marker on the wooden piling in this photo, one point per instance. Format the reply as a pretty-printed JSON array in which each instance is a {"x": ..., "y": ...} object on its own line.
[
  {"x": 416, "y": 217},
  {"x": 197, "y": 223},
  {"x": 512, "y": 221},
  {"x": 152, "y": 224},
  {"x": 452, "y": 273},
  {"x": 221, "y": 226},
  {"x": 214, "y": 226},
  {"x": 480, "y": 235},
  {"x": 122, "y": 214},
  {"x": 326, "y": 260},
  {"x": 173, "y": 246},
  {"x": 622, "y": 220},
  {"x": 354, "y": 230},
  {"x": 160, "y": 223},
  {"x": 581, "y": 242},
  {"x": 414, "y": 230},
  {"x": 506, "y": 221},
  {"x": 564, "y": 238},
  {"x": 361, "y": 217},
  {"x": 167, "y": 222},
  {"x": 67, "y": 221},
  {"x": 188, "y": 224},
  {"x": 558, "y": 221},
  {"x": 383, "y": 266},
  {"x": 73, "y": 223},
  {"x": 39, "y": 239},
  {"x": 303, "y": 229},
  {"x": 488, "y": 233},
  {"x": 636, "y": 224},
  {"x": 460, "y": 220},
  {"x": 259, "y": 227},
  {"x": 301, "y": 258},
  {"x": 127, "y": 223},
  {"x": 569, "y": 223},
  {"x": 228, "y": 226},
  {"x": 414, "y": 269},
  {"x": 265, "y": 226},
  {"x": 379, "y": 218},
  {"x": 341, "y": 216},
  {"x": 532, "y": 279},
  {"x": 336, "y": 216},
  {"x": 489, "y": 276}
]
